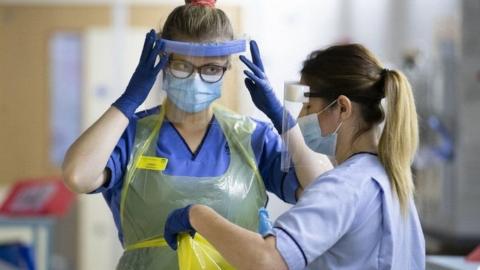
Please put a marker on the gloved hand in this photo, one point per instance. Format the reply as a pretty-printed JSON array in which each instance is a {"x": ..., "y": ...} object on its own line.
[
  {"x": 261, "y": 91},
  {"x": 265, "y": 227},
  {"x": 178, "y": 221},
  {"x": 144, "y": 76}
]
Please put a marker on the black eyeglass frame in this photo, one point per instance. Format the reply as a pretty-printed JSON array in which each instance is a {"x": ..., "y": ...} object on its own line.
[{"x": 197, "y": 69}]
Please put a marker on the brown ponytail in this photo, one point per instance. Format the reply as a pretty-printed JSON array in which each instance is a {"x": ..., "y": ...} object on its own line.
[
  {"x": 399, "y": 139},
  {"x": 353, "y": 71}
]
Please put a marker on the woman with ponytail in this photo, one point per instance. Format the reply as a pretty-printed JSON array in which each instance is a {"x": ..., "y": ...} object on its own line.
[
  {"x": 361, "y": 214},
  {"x": 183, "y": 152}
]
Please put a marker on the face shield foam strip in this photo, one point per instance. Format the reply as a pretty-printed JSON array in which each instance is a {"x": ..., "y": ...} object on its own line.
[
  {"x": 205, "y": 49},
  {"x": 296, "y": 92}
]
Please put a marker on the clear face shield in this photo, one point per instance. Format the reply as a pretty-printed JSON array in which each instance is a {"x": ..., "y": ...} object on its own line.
[
  {"x": 195, "y": 74},
  {"x": 308, "y": 164}
]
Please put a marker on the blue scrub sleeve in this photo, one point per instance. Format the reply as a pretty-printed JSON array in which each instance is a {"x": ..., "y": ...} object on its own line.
[
  {"x": 267, "y": 145},
  {"x": 323, "y": 214},
  {"x": 109, "y": 184}
]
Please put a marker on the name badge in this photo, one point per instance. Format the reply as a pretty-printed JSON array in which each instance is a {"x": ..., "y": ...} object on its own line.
[{"x": 152, "y": 163}]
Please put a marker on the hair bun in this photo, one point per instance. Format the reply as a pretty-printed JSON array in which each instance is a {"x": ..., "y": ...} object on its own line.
[{"x": 205, "y": 3}]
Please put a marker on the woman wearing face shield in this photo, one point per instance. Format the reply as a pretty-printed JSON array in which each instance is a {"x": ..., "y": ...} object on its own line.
[
  {"x": 184, "y": 151},
  {"x": 360, "y": 215}
]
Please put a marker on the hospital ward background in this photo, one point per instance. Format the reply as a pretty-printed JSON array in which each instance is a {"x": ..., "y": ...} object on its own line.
[{"x": 63, "y": 63}]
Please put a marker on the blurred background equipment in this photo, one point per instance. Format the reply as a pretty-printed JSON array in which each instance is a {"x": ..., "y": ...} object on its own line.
[
  {"x": 447, "y": 85},
  {"x": 16, "y": 256},
  {"x": 29, "y": 211}
]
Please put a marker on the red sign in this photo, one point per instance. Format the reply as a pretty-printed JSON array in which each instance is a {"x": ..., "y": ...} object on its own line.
[
  {"x": 38, "y": 197},
  {"x": 474, "y": 256}
]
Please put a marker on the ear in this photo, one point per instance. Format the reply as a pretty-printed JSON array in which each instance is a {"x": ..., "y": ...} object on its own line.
[{"x": 345, "y": 107}]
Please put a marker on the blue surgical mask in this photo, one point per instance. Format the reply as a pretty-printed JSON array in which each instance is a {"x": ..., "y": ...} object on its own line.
[
  {"x": 312, "y": 134},
  {"x": 191, "y": 94}
]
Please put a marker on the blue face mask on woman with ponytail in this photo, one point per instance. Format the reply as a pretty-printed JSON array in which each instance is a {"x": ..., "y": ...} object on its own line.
[{"x": 312, "y": 133}]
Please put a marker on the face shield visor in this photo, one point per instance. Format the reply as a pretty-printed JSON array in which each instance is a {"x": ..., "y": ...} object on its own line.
[
  {"x": 194, "y": 75},
  {"x": 295, "y": 153}
]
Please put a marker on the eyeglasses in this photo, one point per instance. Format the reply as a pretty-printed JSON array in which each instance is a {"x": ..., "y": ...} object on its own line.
[{"x": 209, "y": 73}]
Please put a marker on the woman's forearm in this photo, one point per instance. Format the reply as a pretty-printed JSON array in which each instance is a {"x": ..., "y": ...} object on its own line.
[
  {"x": 85, "y": 161},
  {"x": 240, "y": 247}
]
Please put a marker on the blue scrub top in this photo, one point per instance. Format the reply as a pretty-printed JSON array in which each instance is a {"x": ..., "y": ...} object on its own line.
[
  {"x": 211, "y": 159},
  {"x": 349, "y": 219}
]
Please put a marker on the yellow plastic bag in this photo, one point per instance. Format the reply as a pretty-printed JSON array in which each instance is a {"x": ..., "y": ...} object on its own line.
[{"x": 197, "y": 254}]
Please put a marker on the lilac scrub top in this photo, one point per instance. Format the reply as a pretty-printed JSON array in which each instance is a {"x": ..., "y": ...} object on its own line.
[{"x": 349, "y": 219}]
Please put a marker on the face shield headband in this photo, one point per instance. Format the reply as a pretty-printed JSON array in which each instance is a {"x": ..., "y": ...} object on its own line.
[{"x": 205, "y": 49}]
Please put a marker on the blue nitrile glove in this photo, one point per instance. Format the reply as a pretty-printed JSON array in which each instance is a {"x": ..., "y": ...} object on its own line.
[
  {"x": 144, "y": 76},
  {"x": 178, "y": 221},
  {"x": 261, "y": 91},
  {"x": 265, "y": 227}
]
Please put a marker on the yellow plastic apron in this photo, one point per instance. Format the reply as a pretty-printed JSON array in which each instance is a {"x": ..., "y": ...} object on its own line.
[{"x": 149, "y": 195}]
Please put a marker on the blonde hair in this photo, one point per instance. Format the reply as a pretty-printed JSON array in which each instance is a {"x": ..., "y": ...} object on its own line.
[
  {"x": 353, "y": 71},
  {"x": 198, "y": 23},
  {"x": 399, "y": 139}
]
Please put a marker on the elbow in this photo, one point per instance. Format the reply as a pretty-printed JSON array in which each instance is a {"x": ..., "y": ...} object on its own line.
[{"x": 74, "y": 179}]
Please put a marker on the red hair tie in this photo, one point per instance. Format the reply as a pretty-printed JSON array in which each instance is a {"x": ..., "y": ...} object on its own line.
[{"x": 205, "y": 3}]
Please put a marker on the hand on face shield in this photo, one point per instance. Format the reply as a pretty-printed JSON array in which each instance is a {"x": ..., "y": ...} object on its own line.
[
  {"x": 178, "y": 221},
  {"x": 261, "y": 91},
  {"x": 144, "y": 76}
]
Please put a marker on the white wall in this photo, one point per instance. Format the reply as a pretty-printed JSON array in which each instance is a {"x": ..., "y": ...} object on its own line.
[{"x": 390, "y": 27}]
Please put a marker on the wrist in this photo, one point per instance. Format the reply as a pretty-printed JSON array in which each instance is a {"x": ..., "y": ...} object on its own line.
[
  {"x": 126, "y": 105},
  {"x": 194, "y": 214}
]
